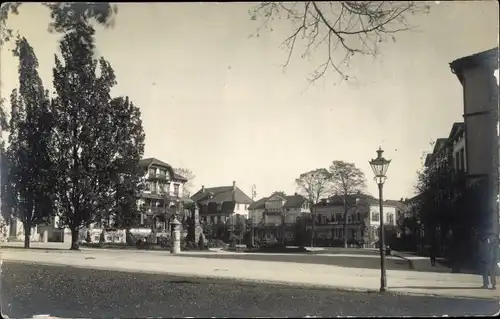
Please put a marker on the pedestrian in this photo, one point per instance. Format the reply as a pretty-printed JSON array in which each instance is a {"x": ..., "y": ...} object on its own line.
[
  {"x": 433, "y": 253},
  {"x": 487, "y": 264}
]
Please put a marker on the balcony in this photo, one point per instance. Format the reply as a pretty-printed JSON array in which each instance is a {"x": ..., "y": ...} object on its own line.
[{"x": 153, "y": 176}]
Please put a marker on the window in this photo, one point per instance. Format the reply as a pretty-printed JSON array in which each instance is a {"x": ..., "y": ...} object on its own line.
[
  {"x": 375, "y": 217},
  {"x": 212, "y": 219},
  {"x": 147, "y": 186},
  {"x": 353, "y": 234},
  {"x": 457, "y": 161},
  {"x": 462, "y": 160},
  {"x": 338, "y": 217},
  {"x": 176, "y": 190},
  {"x": 237, "y": 206},
  {"x": 390, "y": 218},
  {"x": 153, "y": 187},
  {"x": 152, "y": 171},
  {"x": 246, "y": 206}
]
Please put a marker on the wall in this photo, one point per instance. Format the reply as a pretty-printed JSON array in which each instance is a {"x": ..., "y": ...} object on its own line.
[
  {"x": 256, "y": 215},
  {"x": 241, "y": 209},
  {"x": 388, "y": 210},
  {"x": 479, "y": 95}
]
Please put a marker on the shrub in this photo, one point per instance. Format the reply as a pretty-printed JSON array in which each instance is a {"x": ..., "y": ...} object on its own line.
[
  {"x": 216, "y": 243},
  {"x": 201, "y": 242}
]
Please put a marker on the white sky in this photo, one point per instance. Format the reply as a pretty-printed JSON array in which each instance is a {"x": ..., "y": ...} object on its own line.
[{"x": 217, "y": 101}]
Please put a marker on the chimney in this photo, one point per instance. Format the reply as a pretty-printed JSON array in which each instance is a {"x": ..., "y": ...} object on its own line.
[
  {"x": 296, "y": 194},
  {"x": 234, "y": 191},
  {"x": 203, "y": 188}
]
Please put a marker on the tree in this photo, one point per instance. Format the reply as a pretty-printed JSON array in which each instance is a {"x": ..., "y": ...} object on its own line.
[
  {"x": 314, "y": 185},
  {"x": 30, "y": 178},
  {"x": 279, "y": 193},
  {"x": 128, "y": 176},
  {"x": 188, "y": 174},
  {"x": 86, "y": 143},
  {"x": 434, "y": 205},
  {"x": 340, "y": 30},
  {"x": 63, "y": 15},
  {"x": 347, "y": 180}
]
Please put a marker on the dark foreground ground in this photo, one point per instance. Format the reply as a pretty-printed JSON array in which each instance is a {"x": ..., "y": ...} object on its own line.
[{"x": 28, "y": 289}]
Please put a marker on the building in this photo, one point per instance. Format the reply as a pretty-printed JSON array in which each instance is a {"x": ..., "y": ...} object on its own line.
[
  {"x": 272, "y": 210},
  {"x": 163, "y": 193},
  {"x": 363, "y": 218},
  {"x": 218, "y": 204},
  {"x": 161, "y": 197},
  {"x": 476, "y": 74}
]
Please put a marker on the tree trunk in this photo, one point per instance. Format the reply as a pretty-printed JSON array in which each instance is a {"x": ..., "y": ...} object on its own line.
[
  {"x": 345, "y": 222},
  {"x": 27, "y": 234},
  {"x": 74, "y": 239},
  {"x": 313, "y": 215}
]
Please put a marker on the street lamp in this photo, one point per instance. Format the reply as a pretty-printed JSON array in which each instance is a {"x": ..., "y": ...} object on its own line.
[{"x": 379, "y": 167}]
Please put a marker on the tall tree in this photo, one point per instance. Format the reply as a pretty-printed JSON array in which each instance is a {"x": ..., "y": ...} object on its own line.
[
  {"x": 279, "y": 193},
  {"x": 63, "y": 15},
  {"x": 30, "y": 172},
  {"x": 314, "y": 185},
  {"x": 85, "y": 130},
  {"x": 129, "y": 149},
  {"x": 338, "y": 30},
  {"x": 347, "y": 180},
  {"x": 189, "y": 175}
]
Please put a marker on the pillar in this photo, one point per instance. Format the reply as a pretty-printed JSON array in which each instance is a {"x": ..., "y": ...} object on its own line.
[
  {"x": 45, "y": 235},
  {"x": 176, "y": 237}
]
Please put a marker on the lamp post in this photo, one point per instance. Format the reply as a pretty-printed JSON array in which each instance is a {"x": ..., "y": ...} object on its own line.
[{"x": 379, "y": 166}]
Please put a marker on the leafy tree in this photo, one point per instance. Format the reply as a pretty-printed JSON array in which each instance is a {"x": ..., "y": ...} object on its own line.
[
  {"x": 64, "y": 16},
  {"x": 279, "y": 193},
  {"x": 338, "y": 30},
  {"x": 188, "y": 174},
  {"x": 86, "y": 131},
  {"x": 128, "y": 175},
  {"x": 347, "y": 180},
  {"x": 314, "y": 185},
  {"x": 30, "y": 178}
]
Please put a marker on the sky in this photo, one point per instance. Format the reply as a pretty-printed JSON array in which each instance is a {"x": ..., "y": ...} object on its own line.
[{"x": 216, "y": 100}]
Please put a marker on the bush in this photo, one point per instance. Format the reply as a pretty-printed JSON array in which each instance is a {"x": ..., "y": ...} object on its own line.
[
  {"x": 201, "y": 242},
  {"x": 216, "y": 243}
]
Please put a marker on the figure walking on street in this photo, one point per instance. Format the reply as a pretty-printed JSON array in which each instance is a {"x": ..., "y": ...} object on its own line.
[
  {"x": 487, "y": 263},
  {"x": 433, "y": 253}
]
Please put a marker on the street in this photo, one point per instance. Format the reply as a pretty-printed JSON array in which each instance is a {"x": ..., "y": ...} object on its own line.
[
  {"x": 29, "y": 289},
  {"x": 366, "y": 261}
]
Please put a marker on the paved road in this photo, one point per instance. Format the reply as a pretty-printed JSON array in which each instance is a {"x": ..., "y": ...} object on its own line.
[
  {"x": 368, "y": 261},
  {"x": 29, "y": 289}
]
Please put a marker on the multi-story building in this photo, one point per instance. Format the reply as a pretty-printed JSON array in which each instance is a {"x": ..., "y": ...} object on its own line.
[
  {"x": 163, "y": 192},
  {"x": 476, "y": 74},
  {"x": 276, "y": 209},
  {"x": 363, "y": 218},
  {"x": 221, "y": 203}
]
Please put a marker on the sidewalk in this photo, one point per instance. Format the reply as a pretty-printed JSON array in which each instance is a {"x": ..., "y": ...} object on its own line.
[{"x": 453, "y": 285}]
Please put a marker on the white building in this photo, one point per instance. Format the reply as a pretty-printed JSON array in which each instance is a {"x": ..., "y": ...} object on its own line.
[
  {"x": 220, "y": 203},
  {"x": 271, "y": 210},
  {"x": 363, "y": 217}
]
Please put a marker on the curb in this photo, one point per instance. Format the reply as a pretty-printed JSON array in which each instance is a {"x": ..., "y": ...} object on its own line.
[{"x": 249, "y": 281}]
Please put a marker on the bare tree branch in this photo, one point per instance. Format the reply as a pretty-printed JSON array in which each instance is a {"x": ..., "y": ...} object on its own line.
[{"x": 342, "y": 29}]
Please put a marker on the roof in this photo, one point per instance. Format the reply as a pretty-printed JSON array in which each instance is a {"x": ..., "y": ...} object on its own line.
[
  {"x": 222, "y": 194},
  {"x": 456, "y": 129},
  {"x": 260, "y": 204},
  {"x": 474, "y": 60},
  {"x": 396, "y": 203},
  {"x": 337, "y": 200},
  {"x": 146, "y": 162},
  {"x": 292, "y": 201}
]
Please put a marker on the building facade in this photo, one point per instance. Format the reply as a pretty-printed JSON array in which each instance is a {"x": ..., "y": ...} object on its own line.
[
  {"x": 363, "y": 218},
  {"x": 476, "y": 74},
  {"x": 223, "y": 203}
]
